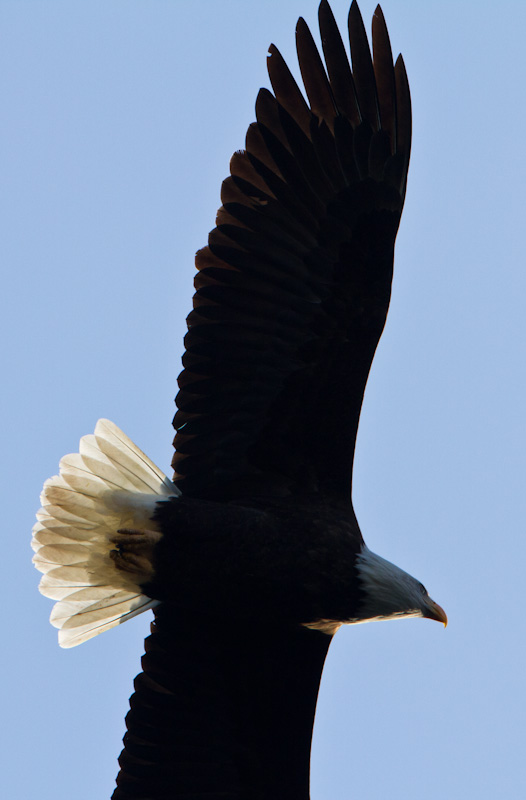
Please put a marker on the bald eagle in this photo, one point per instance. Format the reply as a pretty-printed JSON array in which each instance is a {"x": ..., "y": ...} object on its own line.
[{"x": 252, "y": 557}]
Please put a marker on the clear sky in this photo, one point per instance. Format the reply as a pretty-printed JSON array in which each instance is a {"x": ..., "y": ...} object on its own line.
[{"x": 118, "y": 119}]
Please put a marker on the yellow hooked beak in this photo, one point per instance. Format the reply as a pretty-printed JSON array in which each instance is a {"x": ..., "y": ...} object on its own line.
[{"x": 434, "y": 611}]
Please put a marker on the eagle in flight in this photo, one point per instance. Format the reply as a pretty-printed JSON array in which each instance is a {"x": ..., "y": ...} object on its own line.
[{"x": 252, "y": 557}]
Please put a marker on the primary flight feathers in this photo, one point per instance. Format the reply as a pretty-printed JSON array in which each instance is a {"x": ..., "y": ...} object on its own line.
[{"x": 109, "y": 484}]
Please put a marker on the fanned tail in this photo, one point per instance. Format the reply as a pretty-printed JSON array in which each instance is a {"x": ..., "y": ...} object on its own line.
[{"x": 109, "y": 484}]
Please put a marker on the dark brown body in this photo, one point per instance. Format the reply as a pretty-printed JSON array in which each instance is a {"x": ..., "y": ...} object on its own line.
[
  {"x": 230, "y": 674},
  {"x": 270, "y": 561}
]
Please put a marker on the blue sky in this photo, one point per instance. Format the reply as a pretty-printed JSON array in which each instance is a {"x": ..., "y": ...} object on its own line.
[{"x": 118, "y": 119}]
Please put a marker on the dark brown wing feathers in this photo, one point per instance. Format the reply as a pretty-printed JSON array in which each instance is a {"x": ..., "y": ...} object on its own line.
[
  {"x": 313, "y": 75},
  {"x": 338, "y": 68},
  {"x": 384, "y": 75},
  {"x": 287, "y": 91},
  {"x": 363, "y": 71},
  {"x": 293, "y": 287}
]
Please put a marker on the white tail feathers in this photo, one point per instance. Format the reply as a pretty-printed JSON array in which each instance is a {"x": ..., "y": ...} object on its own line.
[{"x": 109, "y": 484}]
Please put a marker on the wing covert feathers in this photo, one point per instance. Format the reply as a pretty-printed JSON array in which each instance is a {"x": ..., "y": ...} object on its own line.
[
  {"x": 109, "y": 484},
  {"x": 293, "y": 288}
]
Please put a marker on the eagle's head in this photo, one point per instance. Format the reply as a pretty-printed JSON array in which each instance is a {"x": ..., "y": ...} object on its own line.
[{"x": 390, "y": 593}]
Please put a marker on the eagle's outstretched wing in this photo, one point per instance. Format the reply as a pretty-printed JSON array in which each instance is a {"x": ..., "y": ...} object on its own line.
[{"x": 293, "y": 288}]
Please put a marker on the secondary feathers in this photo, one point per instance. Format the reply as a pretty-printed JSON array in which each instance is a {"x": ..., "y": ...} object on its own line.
[{"x": 109, "y": 484}]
